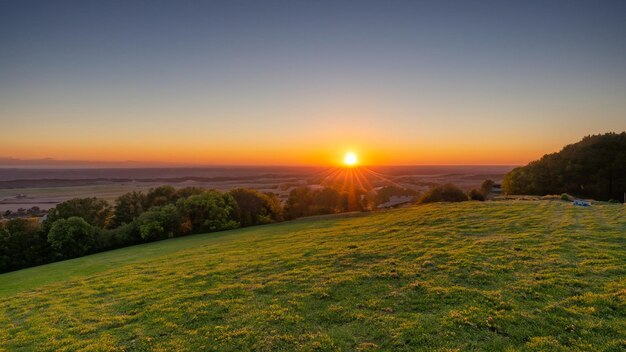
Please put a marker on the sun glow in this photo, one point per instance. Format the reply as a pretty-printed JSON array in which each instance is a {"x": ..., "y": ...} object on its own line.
[{"x": 350, "y": 159}]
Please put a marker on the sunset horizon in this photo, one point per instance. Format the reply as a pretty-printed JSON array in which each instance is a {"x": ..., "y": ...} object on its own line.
[{"x": 313, "y": 156}]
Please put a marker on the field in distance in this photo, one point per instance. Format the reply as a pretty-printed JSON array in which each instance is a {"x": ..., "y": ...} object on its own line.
[
  {"x": 44, "y": 188},
  {"x": 517, "y": 275}
]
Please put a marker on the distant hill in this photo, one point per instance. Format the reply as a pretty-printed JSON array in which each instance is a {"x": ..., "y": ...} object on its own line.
[{"x": 594, "y": 168}]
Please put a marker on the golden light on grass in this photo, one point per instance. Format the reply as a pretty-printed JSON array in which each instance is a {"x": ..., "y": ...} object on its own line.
[{"x": 350, "y": 159}]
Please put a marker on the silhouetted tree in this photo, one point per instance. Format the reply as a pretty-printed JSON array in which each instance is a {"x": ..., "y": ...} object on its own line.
[
  {"x": 595, "y": 167},
  {"x": 299, "y": 202},
  {"x": 254, "y": 207},
  {"x": 325, "y": 201}
]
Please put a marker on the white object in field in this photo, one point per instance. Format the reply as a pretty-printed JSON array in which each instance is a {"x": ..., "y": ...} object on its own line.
[{"x": 582, "y": 203}]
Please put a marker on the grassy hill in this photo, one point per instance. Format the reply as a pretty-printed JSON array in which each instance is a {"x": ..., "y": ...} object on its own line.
[{"x": 514, "y": 275}]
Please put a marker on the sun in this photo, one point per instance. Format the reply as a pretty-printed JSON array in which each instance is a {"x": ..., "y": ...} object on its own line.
[{"x": 350, "y": 159}]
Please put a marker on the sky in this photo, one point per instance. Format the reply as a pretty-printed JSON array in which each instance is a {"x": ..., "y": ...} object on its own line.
[{"x": 304, "y": 82}]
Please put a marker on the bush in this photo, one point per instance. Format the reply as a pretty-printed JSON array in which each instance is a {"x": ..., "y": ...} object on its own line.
[
  {"x": 565, "y": 197},
  {"x": 476, "y": 195},
  {"x": 72, "y": 237},
  {"x": 444, "y": 193}
]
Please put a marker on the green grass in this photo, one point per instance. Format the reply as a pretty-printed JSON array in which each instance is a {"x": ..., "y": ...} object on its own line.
[{"x": 514, "y": 275}]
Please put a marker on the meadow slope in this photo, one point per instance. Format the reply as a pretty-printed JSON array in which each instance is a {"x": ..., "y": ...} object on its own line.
[{"x": 510, "y": 275}]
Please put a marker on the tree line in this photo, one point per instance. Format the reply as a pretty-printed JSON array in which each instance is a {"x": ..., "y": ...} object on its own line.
[
  {"x": 83, "y": 226},
  {"x": 594, "y": 168},
  {"x": 88, "y": 225}
]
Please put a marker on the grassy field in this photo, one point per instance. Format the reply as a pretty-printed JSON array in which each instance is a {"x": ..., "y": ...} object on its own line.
[{"x": 514, "y": 275}]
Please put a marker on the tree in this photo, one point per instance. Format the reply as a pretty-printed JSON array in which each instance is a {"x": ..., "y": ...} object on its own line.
[
  {"x": 209, "y": 211},
  {"x": 22, "y": 244},
  {"x": 326, "y": 201},
  {"x": 160, "y": 196},
  {"x": 595, "y": 167},
  {"x": 444, "y": 193},
  {"x": 486, "y": 187},
  {"x": 188, "y": 191},
  {"x": 71, "y": 237},
  {"x": 276, "y": 209},
  {"x": 128, "y": 207},
  {"x": 299, "y": 202},
  {"x": 94, "y": 211},
  {"x": 254, "y": 207},
  {"x": 159, "y": 223}
]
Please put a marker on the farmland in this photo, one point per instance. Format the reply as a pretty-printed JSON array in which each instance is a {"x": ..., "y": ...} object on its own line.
[
  {"x": 516, "y": 275},
  {"x": 45, "y": 188}
]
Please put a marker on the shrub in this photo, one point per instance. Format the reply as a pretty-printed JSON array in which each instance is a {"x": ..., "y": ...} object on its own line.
[
  {"x": 71, "y": 237},
  {"x": 444, "y": 193},
  {"x": 476, "y": 195},
  {"x": 565, "y": 197}
]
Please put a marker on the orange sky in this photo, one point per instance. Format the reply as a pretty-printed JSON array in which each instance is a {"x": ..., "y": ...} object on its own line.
[{"x": 280, "y": 152}]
